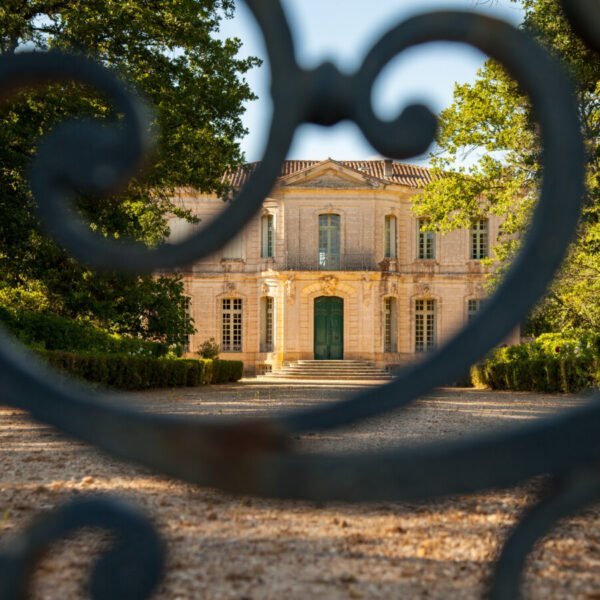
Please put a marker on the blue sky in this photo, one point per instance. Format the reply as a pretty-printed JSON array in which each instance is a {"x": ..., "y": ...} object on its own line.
[{"x": 343, "y": 31}]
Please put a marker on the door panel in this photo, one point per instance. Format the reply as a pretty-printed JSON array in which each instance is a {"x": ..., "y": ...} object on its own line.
[{"x": 329, "y": 328}]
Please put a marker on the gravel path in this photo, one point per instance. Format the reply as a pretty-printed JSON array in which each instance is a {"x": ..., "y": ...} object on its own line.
[{"x": 223, "y": 547}]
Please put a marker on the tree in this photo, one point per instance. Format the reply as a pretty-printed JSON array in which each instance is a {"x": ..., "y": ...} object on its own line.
[
  {"x": 169, "y": 52},
  {"x": 491, "y": 122}
]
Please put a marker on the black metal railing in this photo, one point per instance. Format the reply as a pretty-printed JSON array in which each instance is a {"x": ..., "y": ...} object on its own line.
[
  {"x": 346, "y": 261},
  {"x": 259, "y": 457}
]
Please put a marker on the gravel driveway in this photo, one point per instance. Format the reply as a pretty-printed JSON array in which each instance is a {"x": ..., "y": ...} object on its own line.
[{"x": 223, "y": 547}]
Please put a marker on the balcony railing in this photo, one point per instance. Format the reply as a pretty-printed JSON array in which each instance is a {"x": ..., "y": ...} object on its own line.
[{"x": 352, "y": 261}]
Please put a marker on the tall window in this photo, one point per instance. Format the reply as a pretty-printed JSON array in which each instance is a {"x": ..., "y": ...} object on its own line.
[
  {"x": 266, "y": 325},
  {"x": 390, "y": 237},
  {"x": 473, "y": 307},
  {"x": 187, "y": 312},
  {"x": 390, "y": 326},
  {"x": 231, "y": 330},
  {"x": 234, "y": 248},
  {"x": 425, "y": 325},
  {"x": 426, "y": 243},
  {"x": 267, "y": 237},
  {"x": 479, "y": 239},
  {"x": 329, "y": 242}
]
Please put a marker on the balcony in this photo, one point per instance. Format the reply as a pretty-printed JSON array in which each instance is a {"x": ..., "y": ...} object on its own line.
[{"x": 349, "y": 261}]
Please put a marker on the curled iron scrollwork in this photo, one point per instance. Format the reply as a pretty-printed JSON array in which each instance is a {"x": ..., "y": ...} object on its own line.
[
  {"x": 129, "y": 570},
  {"x": 567, "y": 495},
  {"x": 258, "y": 456}
]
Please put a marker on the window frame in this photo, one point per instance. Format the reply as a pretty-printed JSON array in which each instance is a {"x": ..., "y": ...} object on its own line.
[
  {"x": 390, "y": 238},
  {"x": 328, "y": 260},
  {"x": 472, "y": 313},
  {"x": 426, "y": 241},
  {"x": 479, "y": 239},
  {"x": 232, "y": 324},
  {"x": 425, "y": 325},
  {"x": 267, "y": 236},
  {"x": 390, "y": 325},
  {"x": 267, "y": 323}
]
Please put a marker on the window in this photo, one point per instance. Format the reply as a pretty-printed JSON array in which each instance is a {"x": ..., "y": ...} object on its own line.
[
  {"x": 234, "y": 248},
  {"x": 479, "y": 239},
  {"x": 231, "y": 330},
  {"x": 187, "y": 312},
  {"x": 390, "y": 237},
  {"x": 266, "y": 331},
  {"x": 390, "y": 326},
  {"x": 329, "y": 242},
  {"x": 426, "y": 244},
  {"x": 266, "y": 237},
  {"x": 180, "y": 229},
  {"x": 424, "y": 325},
  {"x": 473, "y": 307}
]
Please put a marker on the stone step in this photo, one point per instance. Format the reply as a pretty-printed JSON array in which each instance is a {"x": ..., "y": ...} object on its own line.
[
  {"x": 329, "y": 376},
  {"x": 329, "y": 367},
  {"x": 350, "y": 370},
  {"x": 333, "y": 362},
  {"x": 301, "y": 370}
]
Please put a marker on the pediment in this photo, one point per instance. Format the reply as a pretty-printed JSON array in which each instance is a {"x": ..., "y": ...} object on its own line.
[{"x": 331, "y": 175}]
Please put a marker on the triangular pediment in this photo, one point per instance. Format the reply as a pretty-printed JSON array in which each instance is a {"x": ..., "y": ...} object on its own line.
[{"x": 331, "y": 174}]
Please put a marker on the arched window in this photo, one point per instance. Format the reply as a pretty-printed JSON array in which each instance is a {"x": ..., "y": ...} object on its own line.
[
  {"x": 425, "y": 325},
  {"x": 329, "y": 242},
  {"x": 267, "y": 241},
  {"x": 479, "y": 239},
  {"x": 391, "y": 230},
  {"x": 390, "y": 323},
  {"x": 426, "y": 241}
]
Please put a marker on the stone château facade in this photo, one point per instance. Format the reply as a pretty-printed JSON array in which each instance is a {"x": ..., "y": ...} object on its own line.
[{"x": 335, "y": 266}]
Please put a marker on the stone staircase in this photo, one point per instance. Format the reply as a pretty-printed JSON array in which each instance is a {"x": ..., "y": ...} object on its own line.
[{"x": 351, "y": 370}]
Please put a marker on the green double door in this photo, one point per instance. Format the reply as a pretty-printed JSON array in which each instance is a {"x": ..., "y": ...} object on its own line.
[{"x": 329, "y": 328}]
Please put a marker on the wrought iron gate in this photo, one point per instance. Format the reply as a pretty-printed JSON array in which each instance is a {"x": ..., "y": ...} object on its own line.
[{"x": 258, "y": 457}]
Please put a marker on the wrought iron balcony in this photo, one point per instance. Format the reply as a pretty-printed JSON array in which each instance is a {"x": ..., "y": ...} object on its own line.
[{"x": 348, "y": 261}]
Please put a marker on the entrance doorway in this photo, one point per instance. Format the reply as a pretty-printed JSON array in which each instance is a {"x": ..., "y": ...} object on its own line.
[{"x": 329, "y": 328}]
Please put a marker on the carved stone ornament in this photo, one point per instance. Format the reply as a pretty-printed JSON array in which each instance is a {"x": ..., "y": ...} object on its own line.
[
  {"x": 229, "y": 287},
  {"x": 329, "y": 284},
  {"x": 264, "y": 288},
  {"x": 290, "y": 289},
  {"x": 424, "y": 290}
]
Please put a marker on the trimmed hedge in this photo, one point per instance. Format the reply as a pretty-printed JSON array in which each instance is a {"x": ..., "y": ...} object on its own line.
[
  {"x": 554, "y": 362},
  {"x": 544, "y": 374},
  {"x": 139, "y": 372},
  {"x": 222, "y": 371}
]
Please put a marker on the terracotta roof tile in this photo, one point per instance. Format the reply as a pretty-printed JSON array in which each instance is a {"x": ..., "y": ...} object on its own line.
[{"x": 402, "y": 174}]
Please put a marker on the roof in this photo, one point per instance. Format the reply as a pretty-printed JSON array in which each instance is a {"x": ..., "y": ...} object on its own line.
[{"x": 401, "y": 174}]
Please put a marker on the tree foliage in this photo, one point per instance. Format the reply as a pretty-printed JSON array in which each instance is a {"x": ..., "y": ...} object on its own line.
[
  {"x": 169, "y": 52},
  {"x": 489, "y": 127}
]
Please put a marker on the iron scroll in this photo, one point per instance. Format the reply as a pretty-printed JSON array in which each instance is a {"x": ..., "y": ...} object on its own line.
[{"x": 257, "y": 456}]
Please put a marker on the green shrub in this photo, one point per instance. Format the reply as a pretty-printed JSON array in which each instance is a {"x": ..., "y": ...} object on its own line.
[
  {"x": 222, "y": 371},
  {"x": 545, "y": 374},
  {"x": 52, "y": 332},
  {"x": 209, "y": 349},
  {"x": 127, "y": 372},
  {"x": 207, "y": 372},
  {"x": 554, "y": 362},
  {"x": 237, "y": 370}
]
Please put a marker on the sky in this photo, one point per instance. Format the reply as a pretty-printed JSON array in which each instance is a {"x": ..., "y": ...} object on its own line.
[{"x": 343, "y": 31}]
